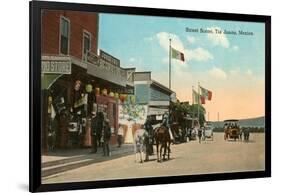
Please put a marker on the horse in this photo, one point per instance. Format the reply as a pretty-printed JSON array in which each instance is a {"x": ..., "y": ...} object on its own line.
[
  {"x": 162, "y": 137},
  {"x": 140, "y": 139}
]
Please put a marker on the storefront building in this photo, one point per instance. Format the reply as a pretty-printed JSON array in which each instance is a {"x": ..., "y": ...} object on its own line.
[
  {"x": 77, "y": 79},
  {"x": 152, "y": 94}
]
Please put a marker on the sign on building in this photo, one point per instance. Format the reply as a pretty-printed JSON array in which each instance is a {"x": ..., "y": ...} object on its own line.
[{"x": 55, "y": 65}]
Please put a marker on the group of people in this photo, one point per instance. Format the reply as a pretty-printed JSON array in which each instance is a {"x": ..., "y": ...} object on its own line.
[{"x": 101, "y": 133}]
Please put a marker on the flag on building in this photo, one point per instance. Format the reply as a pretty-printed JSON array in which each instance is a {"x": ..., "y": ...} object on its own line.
[
  {"x": 177, "y": 54},
  {"x": 206, "y": 94}
]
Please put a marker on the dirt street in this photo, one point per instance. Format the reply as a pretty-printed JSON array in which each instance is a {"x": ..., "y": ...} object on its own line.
[{"x": 216, "y": 156}]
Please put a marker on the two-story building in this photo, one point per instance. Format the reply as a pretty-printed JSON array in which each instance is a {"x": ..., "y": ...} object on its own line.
[{"x": 77, "y": 78}]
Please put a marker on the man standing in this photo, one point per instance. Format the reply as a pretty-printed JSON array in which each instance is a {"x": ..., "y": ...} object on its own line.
[
  {"x": 120, "y": 134},
  {"x": 149, "y": 129},
  {"x": 94, "y": 126},
  {"x": 105, "y": 137}
]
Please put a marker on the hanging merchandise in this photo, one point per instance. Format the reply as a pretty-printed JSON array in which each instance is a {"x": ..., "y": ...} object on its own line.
[
  {"x": 116, "y": 95},
  {"x": 89, "y": 88},
  {"x": 50, "y": 99},
  {"x": 77, "y": 85},
  {"x": 111, "y": 94},
  {"x": 122, "y": 97},
  {"x": 104, "y": 91},
  {"x": 133, "y": 99},
  {"x": 97, "y": 90}
]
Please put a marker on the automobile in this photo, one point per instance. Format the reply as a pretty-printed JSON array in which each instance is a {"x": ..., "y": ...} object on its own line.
[
  {"x": 231, "y": 129},
  {"x": 208, "y": 133}
]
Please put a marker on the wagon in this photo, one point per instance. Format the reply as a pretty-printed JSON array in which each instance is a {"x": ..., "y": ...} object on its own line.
[
  {"x": 231, "y": 129},
  {"x": 208, "y": 133}
]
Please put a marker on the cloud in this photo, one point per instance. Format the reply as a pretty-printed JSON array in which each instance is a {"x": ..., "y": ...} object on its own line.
[
  {"x": 218, "y": 39},
  {"x": 164, "y": 37},
  {"x": 191, "y": 39},
  {"x": 198, "y": 54},
  {"x": 234, "y": 72},
  {"x": 132, "y": 59},
  {"x": 217, "y": 73}
]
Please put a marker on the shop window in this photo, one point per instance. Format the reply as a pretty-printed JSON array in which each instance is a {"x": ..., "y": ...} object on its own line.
[
  {"x": 86, "y": 44},
  {"x": 64, "y": 36}
]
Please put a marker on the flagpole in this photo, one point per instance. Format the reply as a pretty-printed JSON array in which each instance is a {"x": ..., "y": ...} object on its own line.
[
  {"x": 170, "y": 63},
  {"x": 192, "y": 95},
  {"x": 198, "y": 101}
]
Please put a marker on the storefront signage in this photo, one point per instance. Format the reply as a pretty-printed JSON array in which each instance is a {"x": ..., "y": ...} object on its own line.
[
  {"x": 56, "y": 65},
  {"x": 106, "y": 67},
  {"x": 107, "y": 58},
  {"x": 93, "y": 58}
]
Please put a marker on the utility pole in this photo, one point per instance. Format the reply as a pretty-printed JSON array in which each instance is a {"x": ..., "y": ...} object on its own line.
[{"x": 170, "y": 63}]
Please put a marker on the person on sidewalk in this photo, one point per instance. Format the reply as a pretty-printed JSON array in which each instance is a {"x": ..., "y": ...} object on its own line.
[
  {"x": 95, "y": 125},
  {"x": 105, "y": 138},
  {"x": 120, "y": 134},
  {"x": 149, "y": 129}
]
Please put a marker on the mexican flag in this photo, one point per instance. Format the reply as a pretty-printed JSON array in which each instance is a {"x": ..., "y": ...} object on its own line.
[
  {"x": 206, "y": 93},
  {"x": 197, "y": 98},
  {"x": 177, "y": 54}
]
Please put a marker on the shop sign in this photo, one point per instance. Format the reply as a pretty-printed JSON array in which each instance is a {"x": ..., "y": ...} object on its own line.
[
  {"x": 107, "y": 58},
  {"x": 107, "y": 67},
  {"x": 93, "y": 58},
  {"x": 56, "y": 65}
]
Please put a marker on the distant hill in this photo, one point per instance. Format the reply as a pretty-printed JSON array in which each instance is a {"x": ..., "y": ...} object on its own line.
[{"x": 252, "y": 122}]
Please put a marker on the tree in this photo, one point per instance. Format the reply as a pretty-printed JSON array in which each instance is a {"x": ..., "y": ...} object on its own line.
[
  {"x": 194, "y": 113},
  {"x": 179, "y": 108}
]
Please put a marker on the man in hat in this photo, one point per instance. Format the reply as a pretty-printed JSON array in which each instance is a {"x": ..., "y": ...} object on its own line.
[
  {"x": 94, "y": 126},
  {"x": 105, "y": 137},
  {"x": 166, "y": 122},
  {"x": 149, "y": 129}
]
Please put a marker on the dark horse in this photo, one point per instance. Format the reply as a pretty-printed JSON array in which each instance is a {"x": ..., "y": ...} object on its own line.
[{"x": 162, "y": 137}]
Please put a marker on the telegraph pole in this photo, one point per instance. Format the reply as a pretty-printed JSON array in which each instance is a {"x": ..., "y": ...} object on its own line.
[{"x": 170, "y": 64}]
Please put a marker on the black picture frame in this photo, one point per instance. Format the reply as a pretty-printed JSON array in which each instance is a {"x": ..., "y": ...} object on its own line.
[{"x": 35, "y": 8}]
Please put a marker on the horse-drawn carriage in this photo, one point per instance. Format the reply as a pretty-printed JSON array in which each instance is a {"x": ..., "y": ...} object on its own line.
[{"x": 231, "y": 129}]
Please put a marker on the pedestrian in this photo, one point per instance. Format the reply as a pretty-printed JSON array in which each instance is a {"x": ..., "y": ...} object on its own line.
[
  {"x": 149, "y": 129},
  {"x": 105, "y": 138},
  {"x": 94, "y": 127},
  {"x": 200, "y": 131},
  {"x": 120, "y": 134}
]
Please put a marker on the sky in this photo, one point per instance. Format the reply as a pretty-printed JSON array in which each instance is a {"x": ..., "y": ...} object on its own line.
[{"x": 231, "y": 66}]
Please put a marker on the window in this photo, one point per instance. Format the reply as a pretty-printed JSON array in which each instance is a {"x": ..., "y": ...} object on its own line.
[
  {"x": 86, "y": 44},
  {"x": 64, "y": 36}
]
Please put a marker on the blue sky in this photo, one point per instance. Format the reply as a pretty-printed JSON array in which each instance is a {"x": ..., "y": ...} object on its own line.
[{"x": 216, "y": 61}]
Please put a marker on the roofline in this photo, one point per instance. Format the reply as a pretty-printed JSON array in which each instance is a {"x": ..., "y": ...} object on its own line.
[
  {"x": 230, "y": 120},
  {"x": 162, "y": 86}
]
